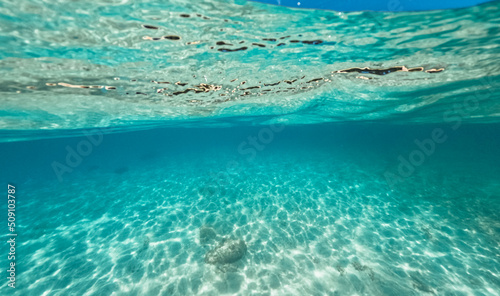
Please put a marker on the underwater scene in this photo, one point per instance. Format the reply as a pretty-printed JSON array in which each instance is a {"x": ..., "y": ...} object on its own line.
[{"x": 221, "y": 147}]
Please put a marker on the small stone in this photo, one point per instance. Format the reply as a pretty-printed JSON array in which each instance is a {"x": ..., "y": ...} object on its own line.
[
  {"x": 229, "y": 251},
  {"x": 207, "y": 234}
]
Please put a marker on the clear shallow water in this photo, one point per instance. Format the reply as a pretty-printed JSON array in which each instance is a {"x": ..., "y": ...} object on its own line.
[
  {"x": 359, "y": 156},
  {"x": 314, "y": 208}
]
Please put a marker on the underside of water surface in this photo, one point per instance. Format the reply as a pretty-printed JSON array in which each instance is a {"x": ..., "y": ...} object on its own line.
[
  {"x": 216, "y": 63},
  {"x": 241, "y": 148}
]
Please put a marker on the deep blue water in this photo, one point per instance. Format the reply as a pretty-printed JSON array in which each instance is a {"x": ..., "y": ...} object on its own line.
[
  {"x": 350, "y": 153},
  {"x": 376, "y": 5}
]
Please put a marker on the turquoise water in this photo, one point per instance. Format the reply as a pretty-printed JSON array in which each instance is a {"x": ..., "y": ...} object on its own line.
[{"x": 329, "y": 153}]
